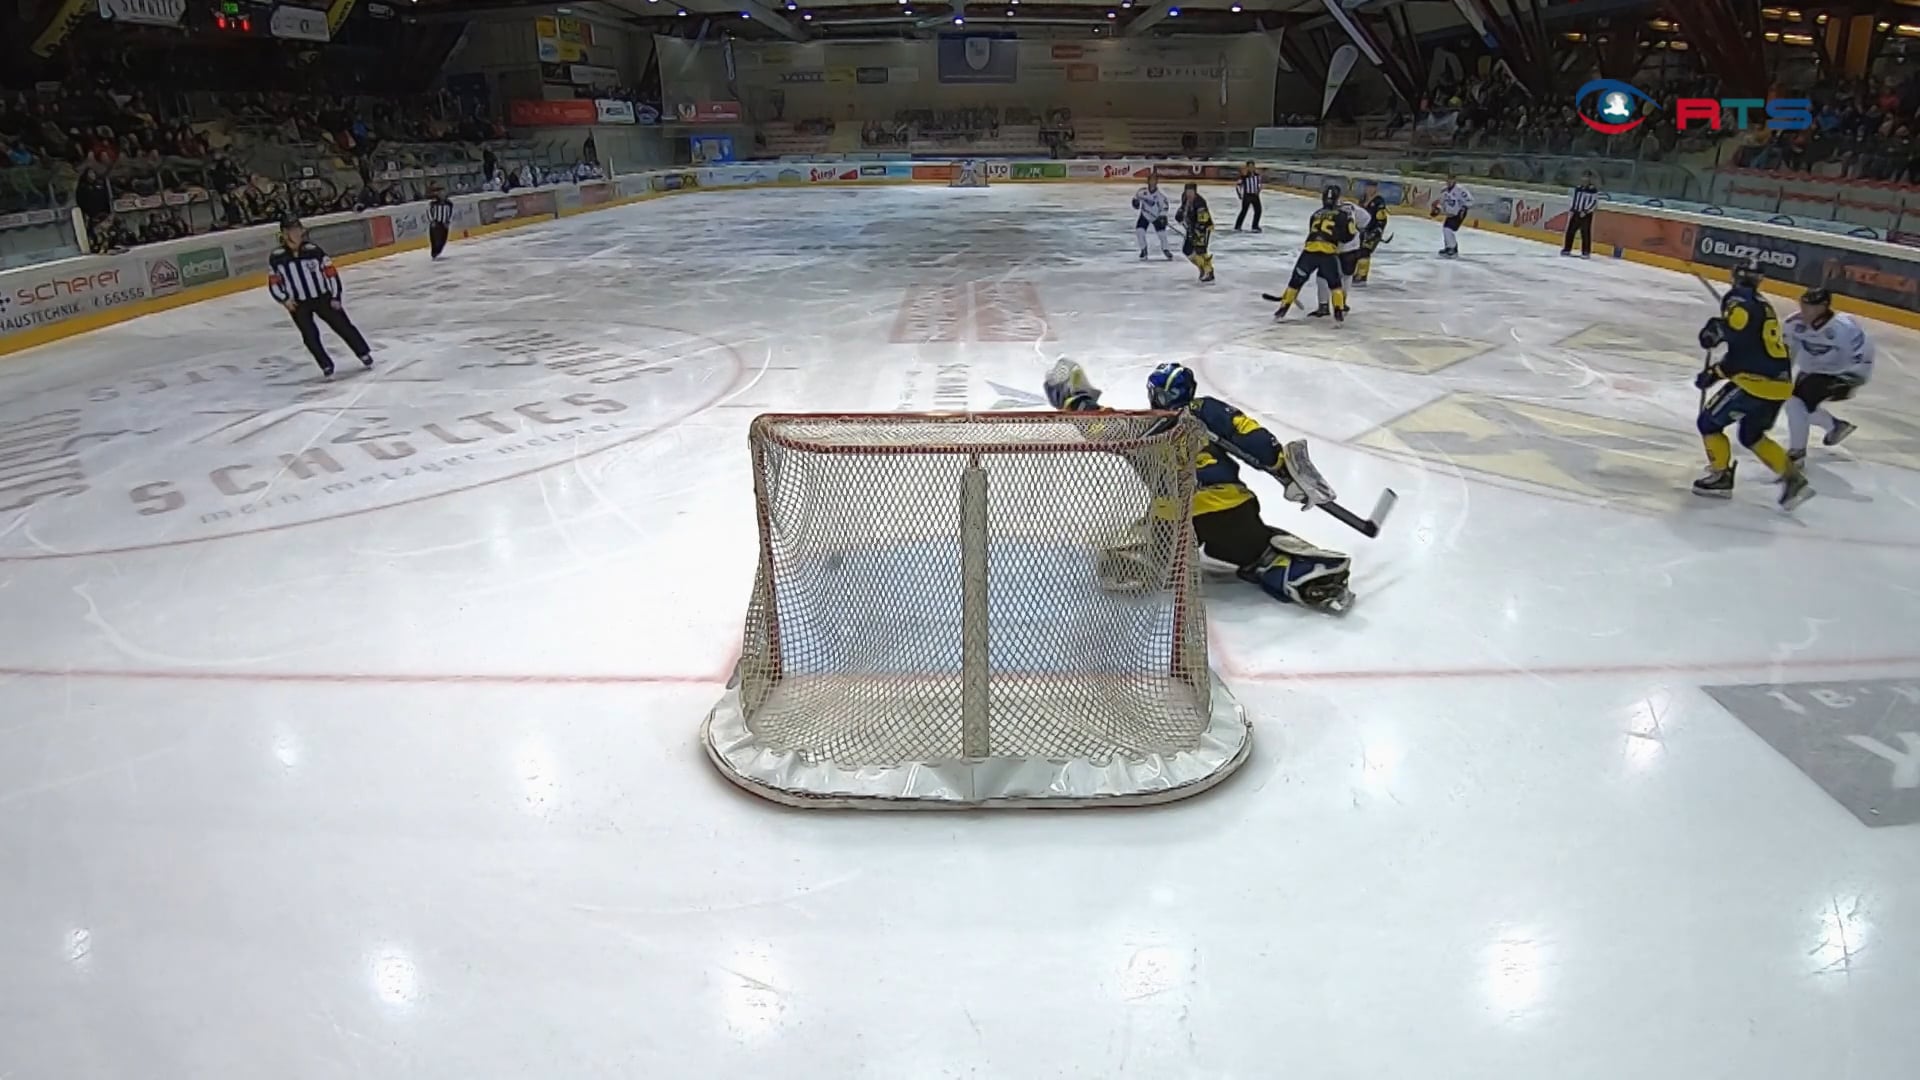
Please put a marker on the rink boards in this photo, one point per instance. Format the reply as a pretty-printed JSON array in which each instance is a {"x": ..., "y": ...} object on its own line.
[{"x": 57, "y": 300}]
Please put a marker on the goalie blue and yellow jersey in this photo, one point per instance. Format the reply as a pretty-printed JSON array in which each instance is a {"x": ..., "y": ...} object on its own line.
[{"x": 1218, "y": 485}]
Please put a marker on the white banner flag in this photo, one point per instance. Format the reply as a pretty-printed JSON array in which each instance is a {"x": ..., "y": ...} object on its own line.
[
  {"x": 150, "y": 12},
  {"x": 1343, "y": 60},
  {"x": 299, "y": 24}
]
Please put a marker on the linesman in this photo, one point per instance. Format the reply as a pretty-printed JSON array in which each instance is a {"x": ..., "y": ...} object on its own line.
[
  {"x": 1584, "y": 199},
  {"x": 302, "y": 278},
  {"x": 439, "y": 218},
  {"x": 1249, "y": 191}
]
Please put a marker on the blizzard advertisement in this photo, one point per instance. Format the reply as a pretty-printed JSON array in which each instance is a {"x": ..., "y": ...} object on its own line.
[{"x": 1779, "y": 259}]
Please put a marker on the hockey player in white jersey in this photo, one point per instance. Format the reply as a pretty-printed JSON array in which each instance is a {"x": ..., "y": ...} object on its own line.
[
  {"x": 1831, "y": 359},
  {"x": 1453, "y": 204},
  {"x": 1348, "y": 253},
  {"x": 1151, "y": 203}
]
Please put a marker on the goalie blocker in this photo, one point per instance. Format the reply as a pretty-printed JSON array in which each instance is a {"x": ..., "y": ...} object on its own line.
[{"x": 1226, "y": 514}]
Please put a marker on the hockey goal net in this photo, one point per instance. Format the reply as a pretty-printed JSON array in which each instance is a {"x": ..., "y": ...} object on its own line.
[
  {"x": 975, "y": 609},
  {"x": 968, "y": 172}
]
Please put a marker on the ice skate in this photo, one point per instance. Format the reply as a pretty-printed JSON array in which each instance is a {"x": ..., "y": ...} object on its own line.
[
  {"x": 1841, "y": 429},
  {"x": 1715, "y": 483},
  {"x": 1794, "y": 490}
]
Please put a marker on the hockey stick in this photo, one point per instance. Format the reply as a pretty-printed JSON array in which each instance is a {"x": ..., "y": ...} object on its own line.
[
  {"x": 1368, "y": 526},
  {"x": 1706, "y": 361}
]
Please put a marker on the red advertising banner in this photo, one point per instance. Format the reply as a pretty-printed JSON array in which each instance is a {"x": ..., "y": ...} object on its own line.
[
  {"x": 552, "y": 113},
  {"x": 708, "y": 112}
]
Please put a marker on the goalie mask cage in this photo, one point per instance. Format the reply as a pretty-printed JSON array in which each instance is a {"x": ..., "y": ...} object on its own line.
[
  {"x": 975, "y": 609},
  {"x": 968, "y": 172}
]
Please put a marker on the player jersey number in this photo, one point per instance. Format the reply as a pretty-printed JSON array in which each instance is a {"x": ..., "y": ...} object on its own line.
[{"x": 1776, "y": 344}]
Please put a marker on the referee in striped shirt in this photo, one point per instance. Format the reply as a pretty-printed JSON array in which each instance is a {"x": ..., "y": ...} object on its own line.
[
  {"x": 303, "y": 279},
  {"x": 1249, "y": 191},
  {"x": 439, "y": 219},
  {"x": 1580, "y": 217}
]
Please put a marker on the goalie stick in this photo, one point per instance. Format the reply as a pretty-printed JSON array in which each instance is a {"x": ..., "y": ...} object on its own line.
[{"x": 1368, "y": 526}]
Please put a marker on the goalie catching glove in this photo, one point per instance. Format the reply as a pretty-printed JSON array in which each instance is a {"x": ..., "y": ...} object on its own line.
[
  {"x": 1069, "y": 389},
  {"x": 1304, "y": 484}
]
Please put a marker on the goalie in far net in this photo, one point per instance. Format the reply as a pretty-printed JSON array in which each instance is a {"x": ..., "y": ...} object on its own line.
[{"x": 1226, "y": 513}]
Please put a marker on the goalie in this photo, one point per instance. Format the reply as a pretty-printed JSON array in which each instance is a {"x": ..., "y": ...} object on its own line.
[{"x": 1226, "y": 514}]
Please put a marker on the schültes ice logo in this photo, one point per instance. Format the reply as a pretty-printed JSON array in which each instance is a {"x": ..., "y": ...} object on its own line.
[{"x": 1610, "y": 106}]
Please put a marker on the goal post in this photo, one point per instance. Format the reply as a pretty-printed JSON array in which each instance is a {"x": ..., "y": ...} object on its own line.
[{"x": 975, "y": 609}]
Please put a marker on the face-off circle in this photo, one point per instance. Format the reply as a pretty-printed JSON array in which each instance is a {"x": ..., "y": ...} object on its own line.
[{"x": 223, "y": 448}]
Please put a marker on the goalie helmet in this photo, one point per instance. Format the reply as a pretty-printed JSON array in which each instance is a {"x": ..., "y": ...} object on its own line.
[{"x": 1171, "y": 386}]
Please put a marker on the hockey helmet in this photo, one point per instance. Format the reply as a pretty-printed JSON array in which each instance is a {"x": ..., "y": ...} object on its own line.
[
  {"x": 1747, "y": 275},
  {"x": 1816, "y": 297},
  {"x": 1330, "y": 195},
  {"x": 1377, "y": 203},
  {"x": 1171, "y": 386}
]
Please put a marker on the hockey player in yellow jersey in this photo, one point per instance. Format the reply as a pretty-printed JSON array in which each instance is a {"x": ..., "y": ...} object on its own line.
[
  {"x": 1757, "y": 376},
  {"x": 1328, "y": 228},
  {"x": 1226, "y": 513},
  {"x": 1370, "y": 238},
  {"x": 1194, "y": 216}
]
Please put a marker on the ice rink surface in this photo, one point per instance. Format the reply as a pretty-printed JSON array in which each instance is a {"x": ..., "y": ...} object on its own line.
[{"x": 349, "y": 729}]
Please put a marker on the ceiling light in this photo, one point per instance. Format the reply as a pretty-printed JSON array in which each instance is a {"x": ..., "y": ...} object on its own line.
[
  {"x": 808, "y": 16},
  {"x": 746, "y": 14},
  {"x": 1173, "y": 13},
  {"x": 1235, "y": 9},
  {"x": 791, "y": 6},
  {"x": 958, "y": 21},
  {"x": 1113, "y": 14}
]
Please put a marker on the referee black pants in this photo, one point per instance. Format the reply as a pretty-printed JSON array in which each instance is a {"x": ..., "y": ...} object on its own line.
[
  {"x": 307, "y": 314},
  {"x": 1581, "y": 224},
  {"x": 437, "y": 236},
  {"x": 1248, "y": 202}
]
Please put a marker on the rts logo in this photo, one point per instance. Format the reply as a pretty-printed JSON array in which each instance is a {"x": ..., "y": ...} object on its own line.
[{"x": 1616, "y": 108}]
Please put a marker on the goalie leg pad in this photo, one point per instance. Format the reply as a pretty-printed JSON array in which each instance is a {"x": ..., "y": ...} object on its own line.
[{"x": 1295, "y": 572}]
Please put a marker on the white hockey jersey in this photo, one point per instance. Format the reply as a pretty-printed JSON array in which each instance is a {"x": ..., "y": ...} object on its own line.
[
  {"x": 1454, "y": 201},
  {"x": 1151, "y": 204},
  {"x": 1361, "y": 219},
  {"x": 1836, "y": 347}
]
